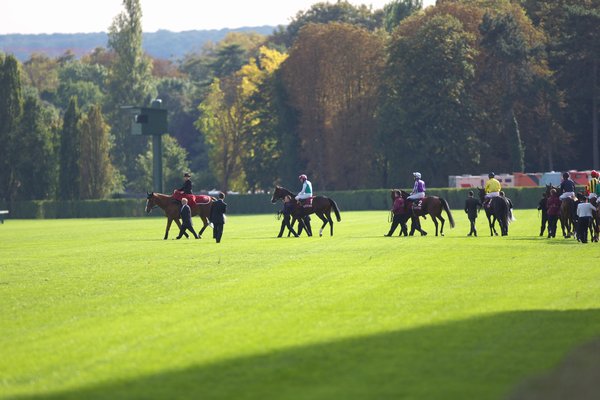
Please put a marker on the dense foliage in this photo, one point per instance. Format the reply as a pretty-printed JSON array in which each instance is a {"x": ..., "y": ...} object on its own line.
[{"x": 352, "y": 96}]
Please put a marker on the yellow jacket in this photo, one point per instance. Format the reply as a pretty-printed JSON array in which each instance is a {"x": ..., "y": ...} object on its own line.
[{"x": 492, "y": 186}]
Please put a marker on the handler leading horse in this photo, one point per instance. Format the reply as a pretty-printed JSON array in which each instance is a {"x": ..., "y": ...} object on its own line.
[
  {"x": 171, "y": 208},
  {"x": 321, "y": 206}
]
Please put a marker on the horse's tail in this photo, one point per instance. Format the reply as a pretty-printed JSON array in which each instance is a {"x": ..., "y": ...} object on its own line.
[
  {"x": 447, "y": 208},
  {"x": 336, "y": 210}
]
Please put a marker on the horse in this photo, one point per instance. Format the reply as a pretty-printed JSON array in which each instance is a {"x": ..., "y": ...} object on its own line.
[
  {"x": 498, "y": 209},
  {"x": 567, "y": 213},
  {"x": 171, "y": 207},
  {"x": 321, "y": 207},
  {"x": 433, "y": 206}
]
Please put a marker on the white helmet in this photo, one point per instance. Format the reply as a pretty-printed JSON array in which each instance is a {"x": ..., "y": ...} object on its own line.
[{"x": 417, "y": 175}]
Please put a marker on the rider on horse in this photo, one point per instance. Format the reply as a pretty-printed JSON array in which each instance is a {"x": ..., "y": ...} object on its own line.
[
  {"x": 593, "y": 187},
  {"x": 567, "y": 187},
  {"x": 418, "y": 192},
  {"x": 306, "y": 191},
  {"x": 187, "y": 184},
  {"x": 492, "y": 188}
]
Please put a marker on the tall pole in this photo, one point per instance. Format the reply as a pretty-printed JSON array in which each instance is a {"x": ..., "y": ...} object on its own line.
[{"x": 157, "y": 163}]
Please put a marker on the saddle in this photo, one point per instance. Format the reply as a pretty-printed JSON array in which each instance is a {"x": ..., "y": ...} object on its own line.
[{"x": 307, "y": 202}]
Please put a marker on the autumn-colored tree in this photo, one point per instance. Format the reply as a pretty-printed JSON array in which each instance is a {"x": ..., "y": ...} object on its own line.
[
  {"x": 332, "y": 77},
  {"x": 222, "y": 118},
  {"x": 263, "y": 150}
]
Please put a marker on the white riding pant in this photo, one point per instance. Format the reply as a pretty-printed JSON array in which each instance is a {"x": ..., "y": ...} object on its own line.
[
  {"x": 492, "y": 194},
  {"x": 566, "y": 195},
  {"x": 416, "y": 196}
]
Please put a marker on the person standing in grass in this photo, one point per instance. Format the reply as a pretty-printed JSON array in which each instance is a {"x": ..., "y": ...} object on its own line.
[
  {"x": 584, "y": 217},
  {"x": 543, "y": 207},
  {"x": 472, "y": 208},
  {"x": 217, "y": 217},
  {"x": 186, "y": 219}
]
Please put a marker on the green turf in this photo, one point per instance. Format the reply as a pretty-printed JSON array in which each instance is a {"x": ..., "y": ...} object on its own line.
[{"x": 104, "y": 308}]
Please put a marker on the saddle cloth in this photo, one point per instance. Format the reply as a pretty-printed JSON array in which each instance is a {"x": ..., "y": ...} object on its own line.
[
  {"x": 193, "y": 199},
  {"x": 417, "y": 205}
]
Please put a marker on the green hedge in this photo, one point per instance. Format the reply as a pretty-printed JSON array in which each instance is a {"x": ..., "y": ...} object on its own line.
[{"x": 377, "y": 199}]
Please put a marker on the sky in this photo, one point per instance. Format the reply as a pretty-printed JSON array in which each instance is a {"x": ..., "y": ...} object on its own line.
[{"x": 74, "y": 16}]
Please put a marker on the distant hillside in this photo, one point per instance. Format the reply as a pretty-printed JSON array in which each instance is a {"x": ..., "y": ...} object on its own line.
[{"x": 160, "y": 44}]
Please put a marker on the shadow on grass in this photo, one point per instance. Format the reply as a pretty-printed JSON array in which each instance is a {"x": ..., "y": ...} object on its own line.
[{"x": 479, "y": 358}]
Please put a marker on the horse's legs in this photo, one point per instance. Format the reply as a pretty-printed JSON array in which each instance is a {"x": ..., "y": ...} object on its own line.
[
  {"x": 322, "y": 217},
  {"x": 434, "y": 219},
  {"x": 169, "y": 220},
  {"x": 330, "y": 223},
  {"x": 442, "y": 227}
]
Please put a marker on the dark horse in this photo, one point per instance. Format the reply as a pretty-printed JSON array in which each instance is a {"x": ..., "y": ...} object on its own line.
[
  {"x": 171, "y": 208},
  {"x": 498, "y": 209},
  {"x": 433, "y": 206},
  {"x": 321, "y": 206}
]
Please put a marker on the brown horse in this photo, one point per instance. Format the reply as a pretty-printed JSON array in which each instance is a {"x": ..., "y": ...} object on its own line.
[
  {"x": 433, "y": 206},
  {"x": 321, "y": 206},
  {"x": 171, "y": 208}
]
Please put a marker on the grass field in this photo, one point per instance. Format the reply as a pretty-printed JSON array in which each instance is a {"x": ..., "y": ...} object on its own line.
[{"x": 105, "y": 309}]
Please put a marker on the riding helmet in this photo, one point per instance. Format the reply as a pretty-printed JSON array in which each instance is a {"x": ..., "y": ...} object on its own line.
[
  {"x": 303, "y": 177},
  {"x": 417, "y": 175}
]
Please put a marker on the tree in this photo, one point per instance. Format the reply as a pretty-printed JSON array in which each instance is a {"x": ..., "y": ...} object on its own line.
[
  {"x": 130, "y": 83},
  {"x": 174, "y": 162},
  {"x": 323, "y": 13},
  {"x": 427, "y": 120},
  {"x": 261, "y": 159},
  {"x": 36, "y": 169},
  {"x": 397, "y": 10},
  {"x": 332, "y": 77},
  {"x": 11, "y": 110},
  {"x": 70, "y": 153},
  {"x": 85, "y": 81},
  {"x": 222, "y": 124},
  {"x": 94, "y": 162}
]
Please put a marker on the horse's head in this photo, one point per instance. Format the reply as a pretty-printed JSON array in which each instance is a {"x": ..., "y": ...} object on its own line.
[
  {"x": 481, "y": 192},
  {"x": 278, "y": 194},
  {"x": 150, "y": 203}
]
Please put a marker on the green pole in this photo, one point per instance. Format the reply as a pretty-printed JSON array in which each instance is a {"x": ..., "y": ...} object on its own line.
[{"x": 157, "y": 163}]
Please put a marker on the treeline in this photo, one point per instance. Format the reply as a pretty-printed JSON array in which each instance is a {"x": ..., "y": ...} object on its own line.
[
  {"x": 354, "y": 97},
  {"x": 160, "y": 44}
]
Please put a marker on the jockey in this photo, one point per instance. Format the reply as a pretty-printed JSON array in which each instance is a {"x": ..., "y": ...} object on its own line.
[
  {"x": 593, "y": 188},
  {"x": 187, "y": 184},
  {"x": 418, "y": 191},
  {"x": 567, "y": 187},
  {"x": 492, "y": 187},
  {"x": 306, "y": 191}
]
